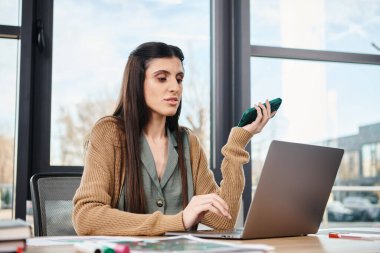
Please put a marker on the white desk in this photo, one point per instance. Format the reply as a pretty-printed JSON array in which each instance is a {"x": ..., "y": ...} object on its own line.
[{"x": 304, "y": 244}]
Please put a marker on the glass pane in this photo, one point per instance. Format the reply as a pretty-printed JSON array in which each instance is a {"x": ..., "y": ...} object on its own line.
[
  {"x": 9, "y": 12},
  {"x": 8, "y": 84},
  {"x": 336, "y": 25},
  {"x": 331, "y": 104},
  {"x": 89, "y": 59}
]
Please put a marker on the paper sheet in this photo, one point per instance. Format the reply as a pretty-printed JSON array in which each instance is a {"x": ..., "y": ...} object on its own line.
[{"x": 68, "y": 240}]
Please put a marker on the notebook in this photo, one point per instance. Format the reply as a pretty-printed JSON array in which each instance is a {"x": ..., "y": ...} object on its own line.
[
  {"x": 13, "y": 235},
  {"x": 291, "y": 195}
]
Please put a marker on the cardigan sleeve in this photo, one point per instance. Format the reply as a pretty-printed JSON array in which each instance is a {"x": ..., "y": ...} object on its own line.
[
  {"x": 232, "y": 185},
  {"x": 93, "y": 213}
]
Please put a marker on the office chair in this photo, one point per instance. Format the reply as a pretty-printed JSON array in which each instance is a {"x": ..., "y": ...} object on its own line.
[{"x": 52, "y": 195}]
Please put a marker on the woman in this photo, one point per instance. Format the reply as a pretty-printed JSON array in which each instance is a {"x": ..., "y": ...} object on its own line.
[{"x": 143, "y": 173}]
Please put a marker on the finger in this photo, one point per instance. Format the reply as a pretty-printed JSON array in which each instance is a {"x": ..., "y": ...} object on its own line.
[
  {"x": 221, "y": 207},
  {"x": 217, "y": 203},
  {"x": 269, "y": 109},
  {"x": 264, "y": 111},
  {"x": 259, "y": 113},
  {"x": 220, "y": 200},
  {"x": 216, "y": 208},
  {"x": 208, "y": 207}
]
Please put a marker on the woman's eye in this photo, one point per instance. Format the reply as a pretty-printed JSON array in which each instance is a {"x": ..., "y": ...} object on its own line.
[
  {"x": 179, "y": 80},
  {"x": 162, "y": 79}
]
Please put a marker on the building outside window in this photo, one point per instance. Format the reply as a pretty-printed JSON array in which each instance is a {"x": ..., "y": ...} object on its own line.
[{"x": 371, "y": 159}]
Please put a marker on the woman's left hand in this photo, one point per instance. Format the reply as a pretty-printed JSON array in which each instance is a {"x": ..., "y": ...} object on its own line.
[{"x": 263, "y": 116}]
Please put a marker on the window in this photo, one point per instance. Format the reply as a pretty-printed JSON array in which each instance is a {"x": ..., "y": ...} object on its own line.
[
  {"x": 329, "y": 93},
  {"x": 8, "y": 83},
  {"x": 89, "y": 59},
  {"x": 322, "y": 104}
]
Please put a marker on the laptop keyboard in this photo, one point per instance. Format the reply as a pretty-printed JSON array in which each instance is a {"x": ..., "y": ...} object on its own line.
[{"x": 220, "y": 231}]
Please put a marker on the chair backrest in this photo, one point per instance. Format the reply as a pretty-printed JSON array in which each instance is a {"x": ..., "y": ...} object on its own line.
[{"x": 52, "y": 195}]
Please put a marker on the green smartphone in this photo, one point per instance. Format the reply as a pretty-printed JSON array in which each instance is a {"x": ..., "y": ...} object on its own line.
[{"x": 250, "y": 114}]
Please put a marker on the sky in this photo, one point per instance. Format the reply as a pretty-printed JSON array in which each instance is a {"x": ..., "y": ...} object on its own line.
[
  {"x": 92, "y": 41},
  {"x": 9, "y": 12},
  {"x": 342, "y": 25}
]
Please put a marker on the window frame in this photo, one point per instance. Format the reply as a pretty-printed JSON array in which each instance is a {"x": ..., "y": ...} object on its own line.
[
  {"x": 33, "y": 142},
  {"x": 10, "y": 32},
  {"x": 230, "y": 63}
]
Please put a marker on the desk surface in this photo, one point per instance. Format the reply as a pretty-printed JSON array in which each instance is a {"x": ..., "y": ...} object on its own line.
[{"x": 308, "y": 244}]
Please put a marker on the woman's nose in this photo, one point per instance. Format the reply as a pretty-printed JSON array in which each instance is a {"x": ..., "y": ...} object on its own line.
[{"x": 174, "y": 86}]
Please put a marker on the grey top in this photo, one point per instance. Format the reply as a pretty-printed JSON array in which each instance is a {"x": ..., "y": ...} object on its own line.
[{"x": 165, "y": 195}]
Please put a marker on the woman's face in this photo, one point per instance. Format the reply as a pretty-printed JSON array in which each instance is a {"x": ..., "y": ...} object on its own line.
[{"x": 163, "y": 86}]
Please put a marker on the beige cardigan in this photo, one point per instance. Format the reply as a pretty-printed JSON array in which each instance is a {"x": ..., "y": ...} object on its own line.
[{"x": 95, "y": 202}]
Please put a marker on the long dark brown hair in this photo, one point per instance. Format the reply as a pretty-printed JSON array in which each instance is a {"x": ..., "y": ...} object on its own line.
[{"x": 134, "y": 115}]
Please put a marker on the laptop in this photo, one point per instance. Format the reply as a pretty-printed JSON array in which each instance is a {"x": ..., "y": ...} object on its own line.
[{"x": 291, "y": 195}]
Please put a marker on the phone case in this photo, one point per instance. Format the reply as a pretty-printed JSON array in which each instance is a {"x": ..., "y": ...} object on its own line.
[{"x": 250, "y": 114}]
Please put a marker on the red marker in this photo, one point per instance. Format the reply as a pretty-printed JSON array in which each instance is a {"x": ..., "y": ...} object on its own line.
[
  {"x": 355, "y": 236},
  {"x": 20, "y": 249}
]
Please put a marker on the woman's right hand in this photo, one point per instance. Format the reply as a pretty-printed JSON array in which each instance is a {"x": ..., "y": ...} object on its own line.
[{"x": 201, "y": 204}]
